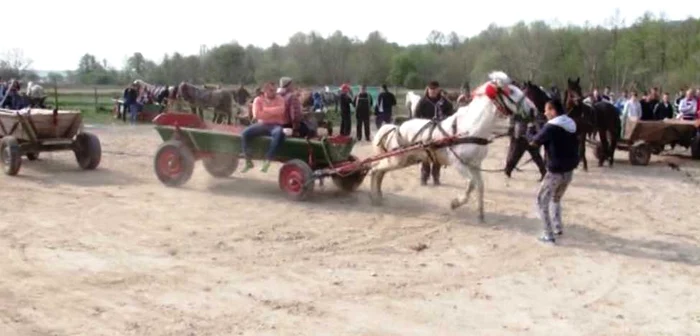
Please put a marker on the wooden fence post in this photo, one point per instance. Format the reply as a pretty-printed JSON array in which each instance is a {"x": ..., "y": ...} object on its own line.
[{"x": 95, "y": 88}]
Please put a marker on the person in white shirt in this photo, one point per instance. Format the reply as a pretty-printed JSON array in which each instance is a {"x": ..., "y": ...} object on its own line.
[
  {"x": 631, "y": 111},
  {"x": 688, "y": 106}
]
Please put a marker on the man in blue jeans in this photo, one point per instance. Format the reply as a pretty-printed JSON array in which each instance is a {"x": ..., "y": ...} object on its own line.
[
  {"x": 269, "y": 113},
  {"x": 558, "y": 136}
]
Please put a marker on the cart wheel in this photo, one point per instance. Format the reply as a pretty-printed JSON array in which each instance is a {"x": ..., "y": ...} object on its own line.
[
  {"x": 351, "y": 182},
  {"x": 296, "y": 179},
  {"x": 11, "y": 155},
  {"x": 640, "y": 155},
  {"x": 88, "y": 151},
  {"x": 31, "y": 156},
  {"x": 221, "y": 165},
  {"x": 173, "y": 163},
  {"x": 695, "y": 148}
]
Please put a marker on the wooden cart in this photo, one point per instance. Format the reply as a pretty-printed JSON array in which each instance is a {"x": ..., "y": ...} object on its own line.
[
  {"x": 28, "y": 132},
  {"x": 187, "y": 139},
  {"x": 644, "y": 138}
]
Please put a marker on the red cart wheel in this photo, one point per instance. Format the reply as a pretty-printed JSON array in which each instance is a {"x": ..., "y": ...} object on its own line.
[
  {"x": 296, "y": 179},
  {"x": 173, "y": 163}
]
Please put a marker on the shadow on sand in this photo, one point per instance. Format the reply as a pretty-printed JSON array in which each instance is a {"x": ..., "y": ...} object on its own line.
[
  {"x": 55, "y": 172},
  {"x": 328, "y": 197},
  {"x": 582, "y": 237}
]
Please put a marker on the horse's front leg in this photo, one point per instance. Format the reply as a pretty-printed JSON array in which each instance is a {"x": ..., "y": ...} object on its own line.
[
  {"x": 377, "y": 177},
  {"x": 475, "y": 182},
  {"x": 613, "y": 146},
  {"x": 375, "y": 195},
  {"x": 582, "y": 151},
  {"x": 603, "y": 135}
]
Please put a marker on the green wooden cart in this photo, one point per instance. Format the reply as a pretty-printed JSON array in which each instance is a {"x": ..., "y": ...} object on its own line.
[{"x": 188, "y": 139}]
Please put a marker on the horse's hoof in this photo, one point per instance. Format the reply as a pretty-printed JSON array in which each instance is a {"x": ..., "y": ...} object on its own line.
[
  {"x": 375, "y": 200},
  {"x": 454, "y": 204}
]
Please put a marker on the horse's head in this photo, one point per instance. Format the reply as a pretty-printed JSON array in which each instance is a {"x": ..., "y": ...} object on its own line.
[
  {"x": 508, "y": 98},
  {"x": 185, "y": 91},
  {"x": 172, "y": 92},
  {"x": 537, "y": 95},
  {"x": 574, "y": 94}
]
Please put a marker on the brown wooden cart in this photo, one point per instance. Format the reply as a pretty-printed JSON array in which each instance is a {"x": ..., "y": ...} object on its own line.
[
  {"x": 28, "y": 132},
  {"x": 643, "y": 138}
]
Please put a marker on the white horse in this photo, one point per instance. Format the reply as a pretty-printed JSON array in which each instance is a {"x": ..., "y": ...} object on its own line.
[
  {"x": 35, "y": 90},
  {"x": 411, "y": 102},
  {"x": 474, "y": 124}
]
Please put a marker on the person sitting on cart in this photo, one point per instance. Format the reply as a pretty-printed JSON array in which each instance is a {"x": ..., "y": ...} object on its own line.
[
  {"x": 293, "y": 110},
  {"x": 318, "y": 102},
  {"x": 688, "y": 106},
  {"x": 270, "y": 117},
  {"x": 12, "y": 99}
]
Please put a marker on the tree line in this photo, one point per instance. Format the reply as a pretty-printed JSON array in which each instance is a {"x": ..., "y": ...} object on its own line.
[{"x": 650, "y": 52}]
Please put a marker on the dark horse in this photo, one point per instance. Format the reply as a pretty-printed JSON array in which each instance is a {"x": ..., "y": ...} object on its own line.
[
  {"x": 242, "y": 95},
  {"x": 222, "y": 101},
  {"x": 602, "y": 117}
]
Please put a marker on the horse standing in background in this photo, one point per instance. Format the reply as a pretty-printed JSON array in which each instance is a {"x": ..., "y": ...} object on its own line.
[
  {"x": 159, "y": 93},
  {"x": 222, "y": 101},
  {"x": 242, "y": 95},
  {"x": 601, "y": 117}
]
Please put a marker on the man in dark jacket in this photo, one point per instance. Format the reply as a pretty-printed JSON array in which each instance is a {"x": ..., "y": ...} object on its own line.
[
  {"x": 432, "y": 106},
  {"x": 385, "y": 104},
  {"x": 664, "y": 109},
  {"x": 519, "y": 144},
  {"x": 559, "y": 139},
  {"x": 363, "y": 106},
  {"x": 129, "y": 101},
  {"x": 649, "y": 103},
  {"x": 345, "y": 102}
]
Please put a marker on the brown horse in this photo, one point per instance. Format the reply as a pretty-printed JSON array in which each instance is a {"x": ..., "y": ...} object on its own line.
[
  {"x": 219, "y": 99},
  {"x": 602, "y": 118}
]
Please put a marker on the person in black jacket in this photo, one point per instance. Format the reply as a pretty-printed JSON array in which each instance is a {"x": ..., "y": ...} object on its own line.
[
  {"x": 519, "y": 145},
  {"x": 363, "y": 106},
  {"x": 385, "y": 104},
  {"x": 432, "y": 106},
  {"x": 559, "y": 139},
  {"x": 345, "y": 102},
  {"x": 664, "y": 109}
]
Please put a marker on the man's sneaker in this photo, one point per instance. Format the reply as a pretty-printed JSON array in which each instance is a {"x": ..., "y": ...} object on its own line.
[
  {"x": 558, "y": 231},
  {"x": 248, "y": 166},
  {"x": 547, "y": 238},
  {"x": 265, "y": 166}
]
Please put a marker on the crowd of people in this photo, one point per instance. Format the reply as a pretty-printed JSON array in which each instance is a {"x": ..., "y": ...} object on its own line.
[{"x": 652, "y": 105}]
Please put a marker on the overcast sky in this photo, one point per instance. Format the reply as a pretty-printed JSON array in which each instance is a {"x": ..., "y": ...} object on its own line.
[{"x": 54, "y": 34}]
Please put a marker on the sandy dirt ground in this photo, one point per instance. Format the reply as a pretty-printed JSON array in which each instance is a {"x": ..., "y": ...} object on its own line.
[{"x": 114, "y": 252}]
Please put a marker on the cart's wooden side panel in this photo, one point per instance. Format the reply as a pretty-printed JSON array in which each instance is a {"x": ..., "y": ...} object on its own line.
[
  {"x": 41, "y": 123},
  {"x": 322, "y": 152}
]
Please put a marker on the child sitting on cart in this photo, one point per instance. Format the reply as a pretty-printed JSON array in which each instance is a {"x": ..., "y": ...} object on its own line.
[{"x": 269, "y": 113}]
